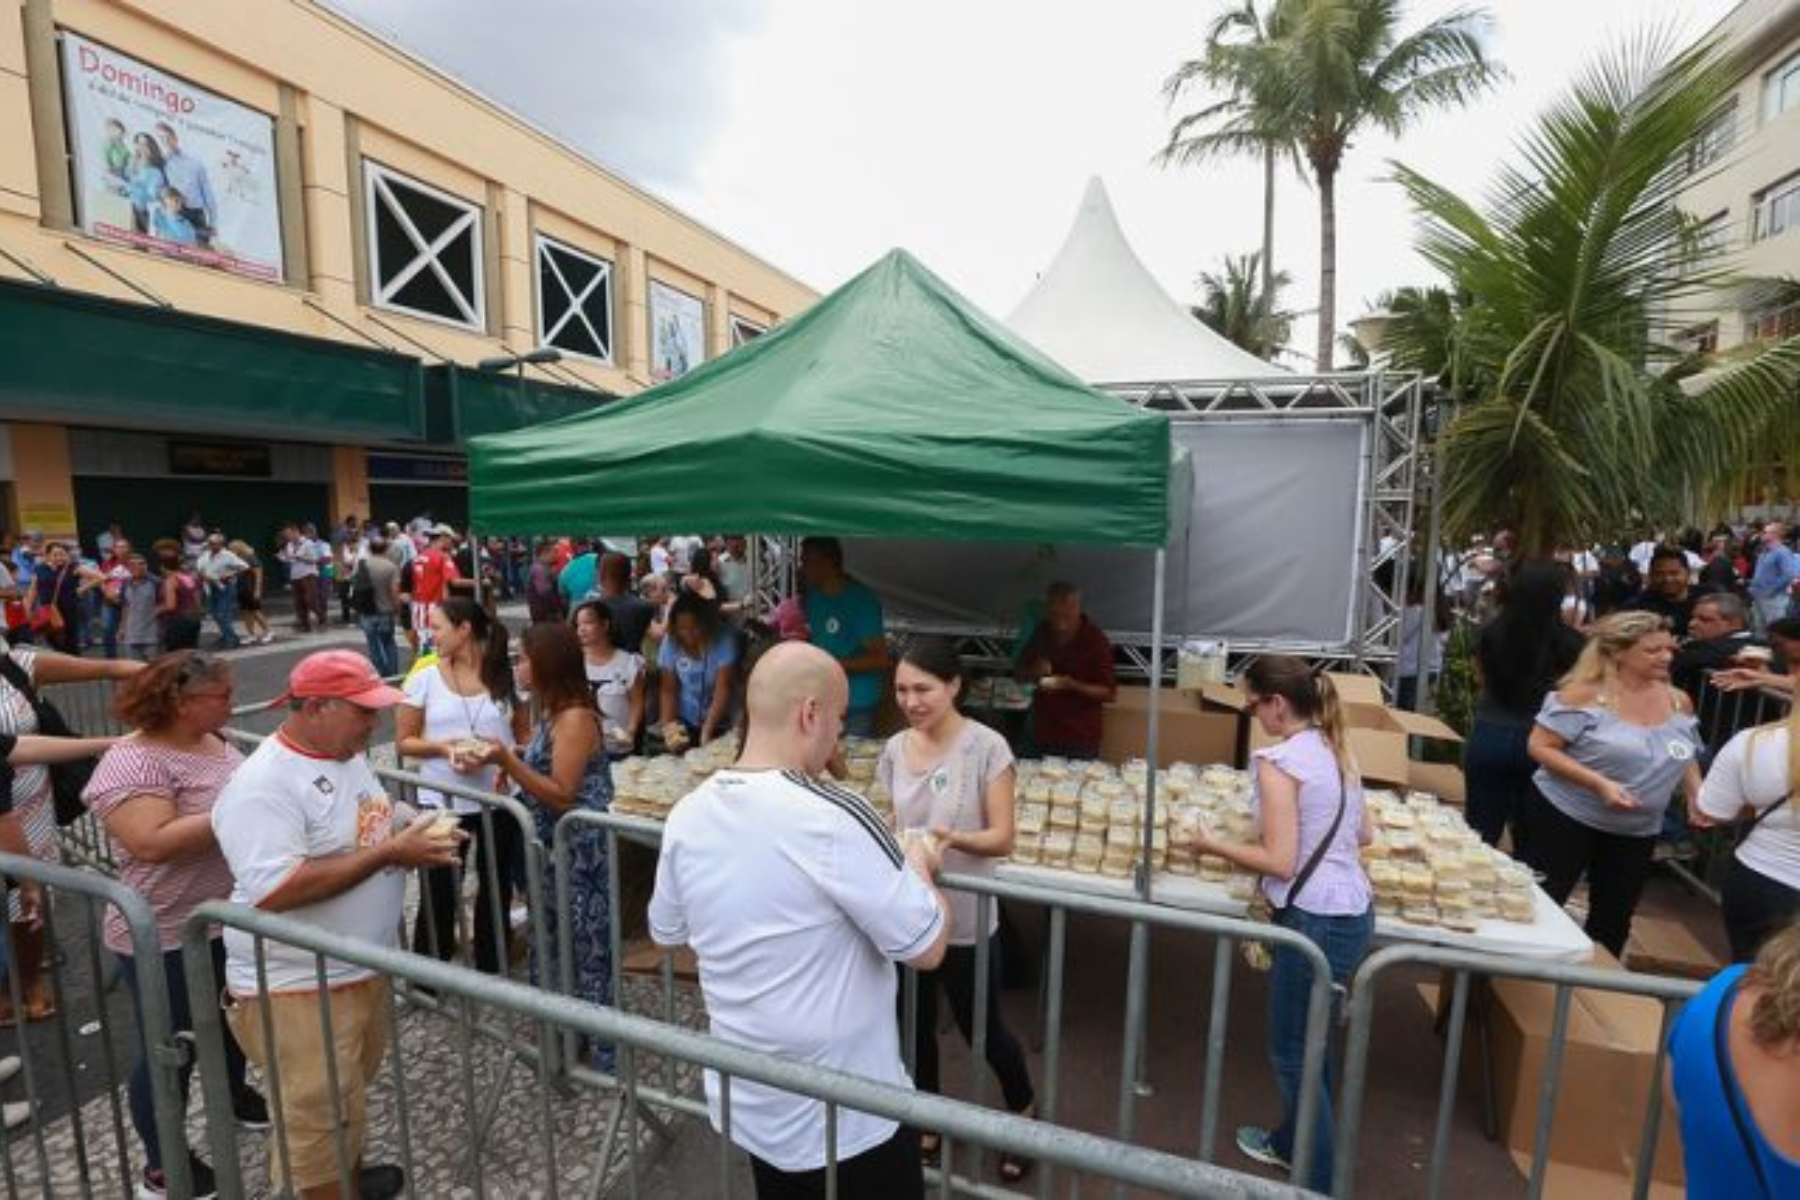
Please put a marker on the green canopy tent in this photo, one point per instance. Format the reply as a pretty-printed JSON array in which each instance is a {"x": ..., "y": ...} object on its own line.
[{"x": 893, "y": 408}]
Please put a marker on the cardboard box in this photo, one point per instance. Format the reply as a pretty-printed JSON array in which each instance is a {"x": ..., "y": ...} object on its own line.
[
  {"x": 1564, "y": 1182},
  {"x": 1663, "y": 947},
  {"x": 1608, "y": 1072},
  {"x": 1185, "y": 733},
  {"x": 1378, "y": 735}
]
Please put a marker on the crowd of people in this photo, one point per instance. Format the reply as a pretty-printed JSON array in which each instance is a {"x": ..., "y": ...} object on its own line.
[{"x": 1589, "y": 739}]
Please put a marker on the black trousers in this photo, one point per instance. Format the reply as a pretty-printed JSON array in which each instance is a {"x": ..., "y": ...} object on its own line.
[
  {"x": 1615, "y": 864},
  {"x": 890, "y": 1171},
  {"x": 1754, "y": 906},
  {"x": 956, "y": 977},
  {"x": 434, "y": 928}
]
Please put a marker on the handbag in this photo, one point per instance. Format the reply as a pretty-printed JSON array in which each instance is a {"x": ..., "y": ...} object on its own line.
[
  {"x": 1257, "y": 955},
  {"x": 48, "y": 615},
  {"x": 67, "y": 780},
  {"x": 362, "y": 591}
]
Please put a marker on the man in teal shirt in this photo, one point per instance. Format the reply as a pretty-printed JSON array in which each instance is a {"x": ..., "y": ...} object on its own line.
[
  {"x": 577, "y": 577},
  {"x": 844, "y": 620}
]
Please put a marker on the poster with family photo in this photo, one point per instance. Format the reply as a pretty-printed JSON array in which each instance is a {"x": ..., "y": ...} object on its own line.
[
  {"x": 677, "y": 332},
  {"x": 162, "y": 165}
]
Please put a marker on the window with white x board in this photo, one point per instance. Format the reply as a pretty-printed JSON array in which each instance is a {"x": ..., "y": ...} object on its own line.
[
  {"x": 424, "y": 249},
  {"x": 574, "y": 301}
]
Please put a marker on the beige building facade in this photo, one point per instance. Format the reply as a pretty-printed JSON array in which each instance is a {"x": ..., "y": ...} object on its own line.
[
  {"x": 1744, "y": 189},
  {"x": 258, "y": 262}
]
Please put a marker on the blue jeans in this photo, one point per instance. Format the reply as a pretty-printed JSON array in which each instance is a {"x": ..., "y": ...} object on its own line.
[
  {"x": 109, "y": 628},
  {"x": 1344, "y": 940},
  {"x": 1499, "y": 770},
  {"x": 222, "y": 601},
  {"x": 378, "y": 631},
  {"x": 181, "y": 1020}
]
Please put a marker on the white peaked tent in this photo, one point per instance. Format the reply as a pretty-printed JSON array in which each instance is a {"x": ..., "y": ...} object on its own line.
[{"x": 1101, "y": 314}]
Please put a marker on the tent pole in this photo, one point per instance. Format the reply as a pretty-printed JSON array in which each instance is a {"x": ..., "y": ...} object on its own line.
[
  {"x": 475, "y": 566},
  {"x": 754, "y": 600},
  {"x": 1155, "y": 722}
]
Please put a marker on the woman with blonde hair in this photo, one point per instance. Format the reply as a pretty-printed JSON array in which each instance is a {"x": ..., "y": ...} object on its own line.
[
  {"x": 1753, "y": 780},
  {"x": 1308, "y": 802},
  {"x": 250, "y": 595},
  {"x": 1612, "y": 744},
  {"x": 1731, "y": 1067}
]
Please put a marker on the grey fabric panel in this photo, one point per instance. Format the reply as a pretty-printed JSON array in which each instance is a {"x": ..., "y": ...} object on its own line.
[{"x": 1271, "y": 554}]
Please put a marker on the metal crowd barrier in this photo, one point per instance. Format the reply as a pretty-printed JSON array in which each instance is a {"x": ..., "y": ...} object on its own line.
[
  {"x": 1467, "y": 970},
  {"x": 65, "y": 1070},
  {"x": 965, "y": 1124},
  {"x": 1059, "y": 906}
]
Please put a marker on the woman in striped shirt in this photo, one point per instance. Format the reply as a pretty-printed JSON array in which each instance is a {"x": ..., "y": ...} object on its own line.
[{"x": 155, "y": 791}]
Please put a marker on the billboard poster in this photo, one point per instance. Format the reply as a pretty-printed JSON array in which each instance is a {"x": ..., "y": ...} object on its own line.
[
  {"x": 164, "y": 166},
  {"x": 677, "y": 332}
]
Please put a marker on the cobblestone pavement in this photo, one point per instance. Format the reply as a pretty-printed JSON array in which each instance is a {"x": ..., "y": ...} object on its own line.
[{"x": 478, "y": 1120}]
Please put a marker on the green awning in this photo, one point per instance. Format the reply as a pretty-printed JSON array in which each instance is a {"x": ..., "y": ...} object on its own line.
[
  {"x": 73, "y": 356},
  {"x": 465, "y": 403},
  {"x": 892, "y": 408}
]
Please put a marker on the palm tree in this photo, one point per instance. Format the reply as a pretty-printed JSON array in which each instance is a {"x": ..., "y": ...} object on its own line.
[
  {"x": 1342, "y": 66},
  {"x": 1248, "y": 120},
  {"x": 1236, "y": 306},
  {"x": 1573, "y": 424}
]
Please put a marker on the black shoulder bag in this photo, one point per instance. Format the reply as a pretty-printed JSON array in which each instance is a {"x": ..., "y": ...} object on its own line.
[{"x": 67, "y": 780}]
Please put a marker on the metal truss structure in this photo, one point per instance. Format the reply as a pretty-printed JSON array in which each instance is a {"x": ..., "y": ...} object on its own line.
[{"x": 1387, "y": 405}]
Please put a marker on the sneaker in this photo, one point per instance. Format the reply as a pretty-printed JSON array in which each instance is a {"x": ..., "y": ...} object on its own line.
[
  {"x": 1254, "y": 1142},
  {"x": 383, "y": 1181},
  {"x": 251, "y": 1110},
  {"x": 10, "y": 1066},
  {"x": 154, "y": 1186},
  {"x": 15, "y": 1113}
]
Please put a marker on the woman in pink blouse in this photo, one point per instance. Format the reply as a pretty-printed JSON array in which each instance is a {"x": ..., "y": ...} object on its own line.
[
  {"x": 1309, "y": 807},
  {"x": 155, "y": 791}
]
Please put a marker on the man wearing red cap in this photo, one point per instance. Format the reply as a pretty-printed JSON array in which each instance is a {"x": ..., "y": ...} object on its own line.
[{"x": 309, "y": 832}]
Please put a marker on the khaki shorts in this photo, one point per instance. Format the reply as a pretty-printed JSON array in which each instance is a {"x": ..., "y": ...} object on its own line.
[{"x": 307, "y": 1115}]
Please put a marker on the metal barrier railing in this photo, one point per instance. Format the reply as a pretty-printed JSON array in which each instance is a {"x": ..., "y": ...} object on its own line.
[
  {"x": 55, "y": 1070},
  {"x": 1071, "y": 1150},
  {"x": 1467, "y": 969},
  {"x": 1141, "y": 918}
]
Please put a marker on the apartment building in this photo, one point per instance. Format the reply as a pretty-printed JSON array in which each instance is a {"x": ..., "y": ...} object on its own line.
[
  {"x": 1744, "y": 189},
  {"x": 256, "y": 261}
]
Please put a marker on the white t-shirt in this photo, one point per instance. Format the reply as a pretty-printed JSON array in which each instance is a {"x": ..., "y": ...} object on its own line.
[
  {"x": 796, "y": 899},
  {"x": 282, "y": 807},
  {"x": 1640, "y": 556},
  {"x": 450, "y": 716},
  {"x": 611, "y": 684},
  {"x": 1751, "y": 772},
  {"x": 302, "y": 558},
  {"x": 681, "y": 552}
]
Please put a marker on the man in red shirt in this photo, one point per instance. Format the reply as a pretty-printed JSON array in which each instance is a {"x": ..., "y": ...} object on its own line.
[
  {"x": 1071, "y": 662},
  {"x": 432, "y": 573}
]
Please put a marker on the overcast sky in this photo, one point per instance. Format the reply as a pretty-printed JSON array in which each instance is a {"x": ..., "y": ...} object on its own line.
[{"x": 820, "y": 133}]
